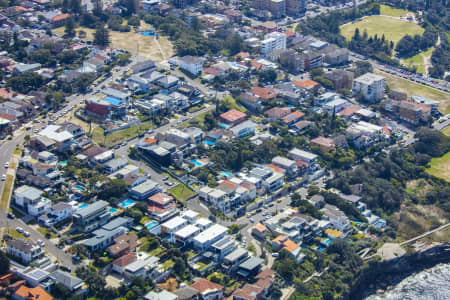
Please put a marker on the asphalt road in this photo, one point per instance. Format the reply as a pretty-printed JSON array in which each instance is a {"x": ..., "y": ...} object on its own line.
[{"x": 59, "y": 254}]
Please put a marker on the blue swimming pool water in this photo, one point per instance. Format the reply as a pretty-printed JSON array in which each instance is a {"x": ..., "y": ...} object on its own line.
[
  {"x": 113, "y": 210},
  {"x": 78, "y": 187},
  {"x": 126, "y": 203},
  {"x": 147, "y": 33},
  {"x": 164, "y": 92},
  {"x": 63, "y": 163},
  {"x": 210, "y": 143},
  {"x": 151, "y": 224},
  {"x": 321, "y": 248},
  {"x": 83, "y": 206},
  {"x": 198, "y": 164},
  {"x": 223, "y": 125},
  {"x": 74, "y": 198},
  {"x": 228, "y": 174}
]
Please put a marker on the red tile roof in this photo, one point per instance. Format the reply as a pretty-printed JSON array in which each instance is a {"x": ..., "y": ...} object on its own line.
[
  {"x": 249, "y": 292},
  {"x": 264, "y": 93},
  {"x": 36, "y": 293},
  {"x": 233, "y": 115},
  {"x": 202, "y": 285},
  {"x": 211, "y": 70},
  {"x": 306, "y": 84},
  {"x": 289, "y": 33},
  {"x": 125, "y": 260},
  {"x": 5, "y": 94},
  {"x": 323, "y": 141},
  {"x": 267, "y": 273},
  {"x": 161, "y": 198},
  {"x": 228, "y": 184},
  {"x": 277, "y": 169},
  {"x": 296, "y": 115},
  {"x": 59, "y": 17},
  {"x": 349, "y": 111},
  {"x": 278, "y": 112},
  {"x": 7, "y": 117}
]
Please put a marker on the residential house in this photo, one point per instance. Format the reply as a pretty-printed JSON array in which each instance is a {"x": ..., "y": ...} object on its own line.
[
  {"x": 33, "y": 293},
  {"x": 30, "y": 200},
  {"x": 56, "y": 213},
  {"x": 24, "y": 250},
  {"x": 244, "y": 129},
  {"x": 251, "y": 102},
  {"x": 144, "y": 190},
  {"x": 208, "y": 290},
  {"x": 162, "y": 295},
  {"x": 206, "y": 238},
  {"x": 161, "y": 206},
  {"x": 260, "y": 231},
  {"x": 191, "y": 64},
  {"x": 232, "y": 117},
  {"x": 264, "y": 94},
  {"x": 325, "y": 144},
  {"x": 119, "y": 264},
  {"x": 250, "y": 267},
  {"x": 277, "y": 113},
  {"x": 75, "y": 285},
  {"x": 292, "y": 118},
  {"x": 123, "y": 244},
  {"x": 333, "y": 214},
  {"x": 187, "y": 293},
  {"x": 92, "y": 216}
]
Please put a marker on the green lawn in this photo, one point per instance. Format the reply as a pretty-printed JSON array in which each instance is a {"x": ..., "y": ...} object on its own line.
[
  {"x": 446, "y": 131},
  {"x": 44, "y": 231},
  {"x": 232, "y": 104},
  {"x": 181, "y": 192},
  {"x": 416, "y": 60},
  {"x": 168, "y": 264},
  {"x": 393, "y": 29},
  {"x": 394, "y": 12},
  {"x": 440, "y": 167},
  {"x": 14, "y": 233},
  {"x": 98, "y": 135},
  {"x": 6, "y": 192},
  {"x": 411, "y": 88}
]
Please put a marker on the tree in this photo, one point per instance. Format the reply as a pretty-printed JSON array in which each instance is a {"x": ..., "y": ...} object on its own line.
[
  {"x": 69, "y": 29},
  {"x": 101, "y": 36},
  {"x": 113, "y": 188},
  {"x": 25, "y": 82},
  {"x": 4, "y": 263},
  {"x": 134, "y": 21}
]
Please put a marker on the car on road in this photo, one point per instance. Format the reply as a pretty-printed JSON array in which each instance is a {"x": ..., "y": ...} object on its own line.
[
  {"x": 150, "y": 131},
  {"x": 6, "y": 165},
  {"x": 123, "y": 144},
  {"x": 40, "y": 243},
  {"x": 26, "y": 233},
  {"x": 252, "y": 220},
  {"x": 19, "y": 229},
  {"x": 165, "y": 178},
  {"x": 3, "y": 177},
  {"x": 117, "y": 146},
  {"x": 11, "y": 216}
]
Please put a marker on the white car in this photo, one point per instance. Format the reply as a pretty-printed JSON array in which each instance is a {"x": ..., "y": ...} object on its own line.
[
  {"x": 6, "y": 165},
  {"x": 19, "y": 229},
  {"x": 3, "y": 177},
  {"x": 26, "y": 233}
]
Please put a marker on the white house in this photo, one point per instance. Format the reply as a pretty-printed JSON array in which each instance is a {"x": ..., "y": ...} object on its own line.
[
  {"x": 191, "y": 64},
  {"x": 56, "y": 213},
  {"x": 24, "y": 250}
]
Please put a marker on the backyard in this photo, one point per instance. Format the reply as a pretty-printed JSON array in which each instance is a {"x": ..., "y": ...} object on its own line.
[
  {"x": 411, "y": 88},
  {"x": 392, "y": 28},
  {"x": 181, "y": 192},
  {"x": 155, "y": 49},
  {"x": 98, "y": 134}
]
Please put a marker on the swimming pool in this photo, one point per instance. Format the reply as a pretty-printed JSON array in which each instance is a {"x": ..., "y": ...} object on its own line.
[
  {"x": 209, "y": 143},
  {"x": 198, "y": 164},
  {"x": 78, "y": 187},
  {"x": 113, "y": 210},
  {"x": 127, "y": 203},
  {"x": 82, "y": 206},
  {"x": 151, "y": 224},
  {"x": 147, "y": 33},
  {"x": 63, "y": 163},
  {"x": 228, "y": 174},
  {"x": 223, "y": 125}
]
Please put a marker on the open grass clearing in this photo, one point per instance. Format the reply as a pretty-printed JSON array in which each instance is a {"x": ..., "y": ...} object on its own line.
[
  {"x": 440, "y": 167},
  {"x": 393, "y": 12},
  {"x": 410, "y": 88},
  {"x": 417, "y": 61},
  {"x": 414, "y": 220},
  {"x": 392, "y": 28},
  {"x": 446, "y": 131},
  {"x": 181, "y": 192},
  {"x": 98, "y": 134},
  {"x": 133, "y": 42},
  {"x": 7, "y": 187}
]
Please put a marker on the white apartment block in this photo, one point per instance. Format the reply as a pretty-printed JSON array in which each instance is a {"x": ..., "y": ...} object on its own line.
[
  {"x": 273, "y": 41},
  {"x": 371, "y": 86}
]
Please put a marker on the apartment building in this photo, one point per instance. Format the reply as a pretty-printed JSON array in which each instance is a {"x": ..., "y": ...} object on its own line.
[
  {"x": 92, "y": 216},
  {"x": 370, "y": 86},
  {"x": 273, "y": 41}
]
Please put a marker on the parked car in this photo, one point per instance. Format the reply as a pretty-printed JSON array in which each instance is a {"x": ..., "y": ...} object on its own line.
[
  {"x": 11, "y": 216},
  {"x": 3, "y": 177},
  {"x": 26, "y": 233},
  {"x": 6, "y": 165},
  {"x": 19, "y": 229}
]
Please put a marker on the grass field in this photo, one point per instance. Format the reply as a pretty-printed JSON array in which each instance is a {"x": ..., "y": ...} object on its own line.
[
  {"x": 392, "y": 28},
  {"x": 148, "y": 46},
  {"x": 394, "y": 12},
  {"x": 440, "y": 167},
  {"x": 446, "y": 131},
  {"x": 410, "y": 88},
  {"x": 6, "y": 191},
  {"x": 181, "y": 192},
  {"x": 98, "y": 134},
  {"x": 416, "y": 60}
]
